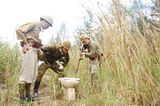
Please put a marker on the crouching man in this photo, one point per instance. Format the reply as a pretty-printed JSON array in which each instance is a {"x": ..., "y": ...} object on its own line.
[{"x": 50, "y": 55}]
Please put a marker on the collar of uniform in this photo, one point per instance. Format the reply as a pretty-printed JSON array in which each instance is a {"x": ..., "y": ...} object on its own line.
[{"x": 40, "y": 27}]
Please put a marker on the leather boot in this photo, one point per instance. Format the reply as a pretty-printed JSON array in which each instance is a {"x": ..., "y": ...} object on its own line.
[
  {"x": 28, "y": 93},
  {"x": 36, "y": 87},
  {"x": 22, "y": 91}
]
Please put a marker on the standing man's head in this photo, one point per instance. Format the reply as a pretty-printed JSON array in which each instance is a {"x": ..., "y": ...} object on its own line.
[
  {"x": 66, "y": 45},
  {"x": 46, "y": 21},
  {"x": 85, "y": 39}
]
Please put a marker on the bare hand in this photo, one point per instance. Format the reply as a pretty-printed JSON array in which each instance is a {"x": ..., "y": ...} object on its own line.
[
  {"x": 25, "y": 47},
  {"x": 81, "y": 57}
]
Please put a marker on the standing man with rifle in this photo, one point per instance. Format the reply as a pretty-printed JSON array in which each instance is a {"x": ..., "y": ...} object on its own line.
[
  {"x": 90, "y": 49},
  {"x": 30, "y": 42}
]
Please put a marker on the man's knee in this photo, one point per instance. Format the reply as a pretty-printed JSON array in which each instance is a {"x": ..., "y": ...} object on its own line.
[
  {"x": 40, "y": 74},
  {"x": 41, "y": 71}
]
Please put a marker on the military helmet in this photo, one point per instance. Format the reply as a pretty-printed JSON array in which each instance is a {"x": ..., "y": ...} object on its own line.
[
  {"x": 48, "y": 19},
  {"x": 66, "y": 44},
  {"x": 84, "y": 36}
]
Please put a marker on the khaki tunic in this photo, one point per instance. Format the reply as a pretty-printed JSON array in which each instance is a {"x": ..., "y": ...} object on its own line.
[
  {"x": 29, "y": 31},
  {"x": 28, "y": 71}
]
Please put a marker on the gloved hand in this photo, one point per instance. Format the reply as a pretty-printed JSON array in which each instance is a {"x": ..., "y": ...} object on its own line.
[{"x": 61, "y": 67}]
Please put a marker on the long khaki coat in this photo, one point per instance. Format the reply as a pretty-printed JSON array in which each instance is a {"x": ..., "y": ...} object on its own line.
[{"x": 28, "y": 71}]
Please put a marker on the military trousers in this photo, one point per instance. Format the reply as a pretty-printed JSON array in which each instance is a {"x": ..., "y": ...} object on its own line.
[
  {"x": 94, "y": 69},
  {"x": 41, "y": 71}
]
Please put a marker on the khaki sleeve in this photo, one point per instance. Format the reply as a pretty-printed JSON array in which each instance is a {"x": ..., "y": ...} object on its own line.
[
  {"x": 99, "y": 50},
  {"x": 23, "y": 29},
  {"x": 95, "y": 51}
]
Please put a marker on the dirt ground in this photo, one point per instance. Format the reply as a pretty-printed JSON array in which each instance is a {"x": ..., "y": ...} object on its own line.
[{"x": 43, "y": 99}]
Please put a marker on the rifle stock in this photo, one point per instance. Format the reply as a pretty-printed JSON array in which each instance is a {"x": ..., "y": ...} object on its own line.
[
  {"x": 79, "y": 60},
  {"x": 78, "y": 65}
]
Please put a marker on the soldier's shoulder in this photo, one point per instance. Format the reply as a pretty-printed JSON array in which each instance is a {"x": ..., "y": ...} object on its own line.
[
  {"x": 50, "y": 46},
  {"x": 54, "y": 46},
  {"x": 28, "y": 25},
  {"x": 93, "y": 43}
]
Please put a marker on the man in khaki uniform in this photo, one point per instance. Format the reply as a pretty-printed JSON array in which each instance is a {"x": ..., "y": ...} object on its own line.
[
  {"x": 91, "y": 50},
  {"x": 30, "y": 42},
  {"x": 55, "y": 58}
]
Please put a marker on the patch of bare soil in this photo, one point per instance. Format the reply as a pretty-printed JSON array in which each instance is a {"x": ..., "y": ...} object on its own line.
[
  {"x": 45, "y": 99},
  {"x": 49, "y": 100}
]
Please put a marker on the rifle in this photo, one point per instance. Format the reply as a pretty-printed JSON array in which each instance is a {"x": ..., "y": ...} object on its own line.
[{"x": 79, "y": 60}]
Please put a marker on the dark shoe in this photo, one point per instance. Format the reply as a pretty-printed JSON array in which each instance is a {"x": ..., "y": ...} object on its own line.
[
  {"x": 36, "y": 87},
  {"x": 35, "y": 95},
  {"x": 22, "y": 101},
  {"x": 29, "y": 98}
]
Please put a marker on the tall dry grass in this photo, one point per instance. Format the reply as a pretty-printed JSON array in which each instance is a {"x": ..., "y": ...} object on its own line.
[
  {"x": 129, "y": 75},
  {"x": 130, "y": 70},
  {"x": 9, "y": 63}
]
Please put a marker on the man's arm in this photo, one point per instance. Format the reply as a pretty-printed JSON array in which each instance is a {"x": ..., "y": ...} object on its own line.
[
  {"x": 23, "y": 30},
  {"x": 93, "y": 52}
]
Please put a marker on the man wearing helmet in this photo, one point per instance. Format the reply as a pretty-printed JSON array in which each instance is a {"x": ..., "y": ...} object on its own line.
[
  {"x": 91, "y": 50},
  {"x": 28, "y": 34},
  {"x": 53, "y": 57}
]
